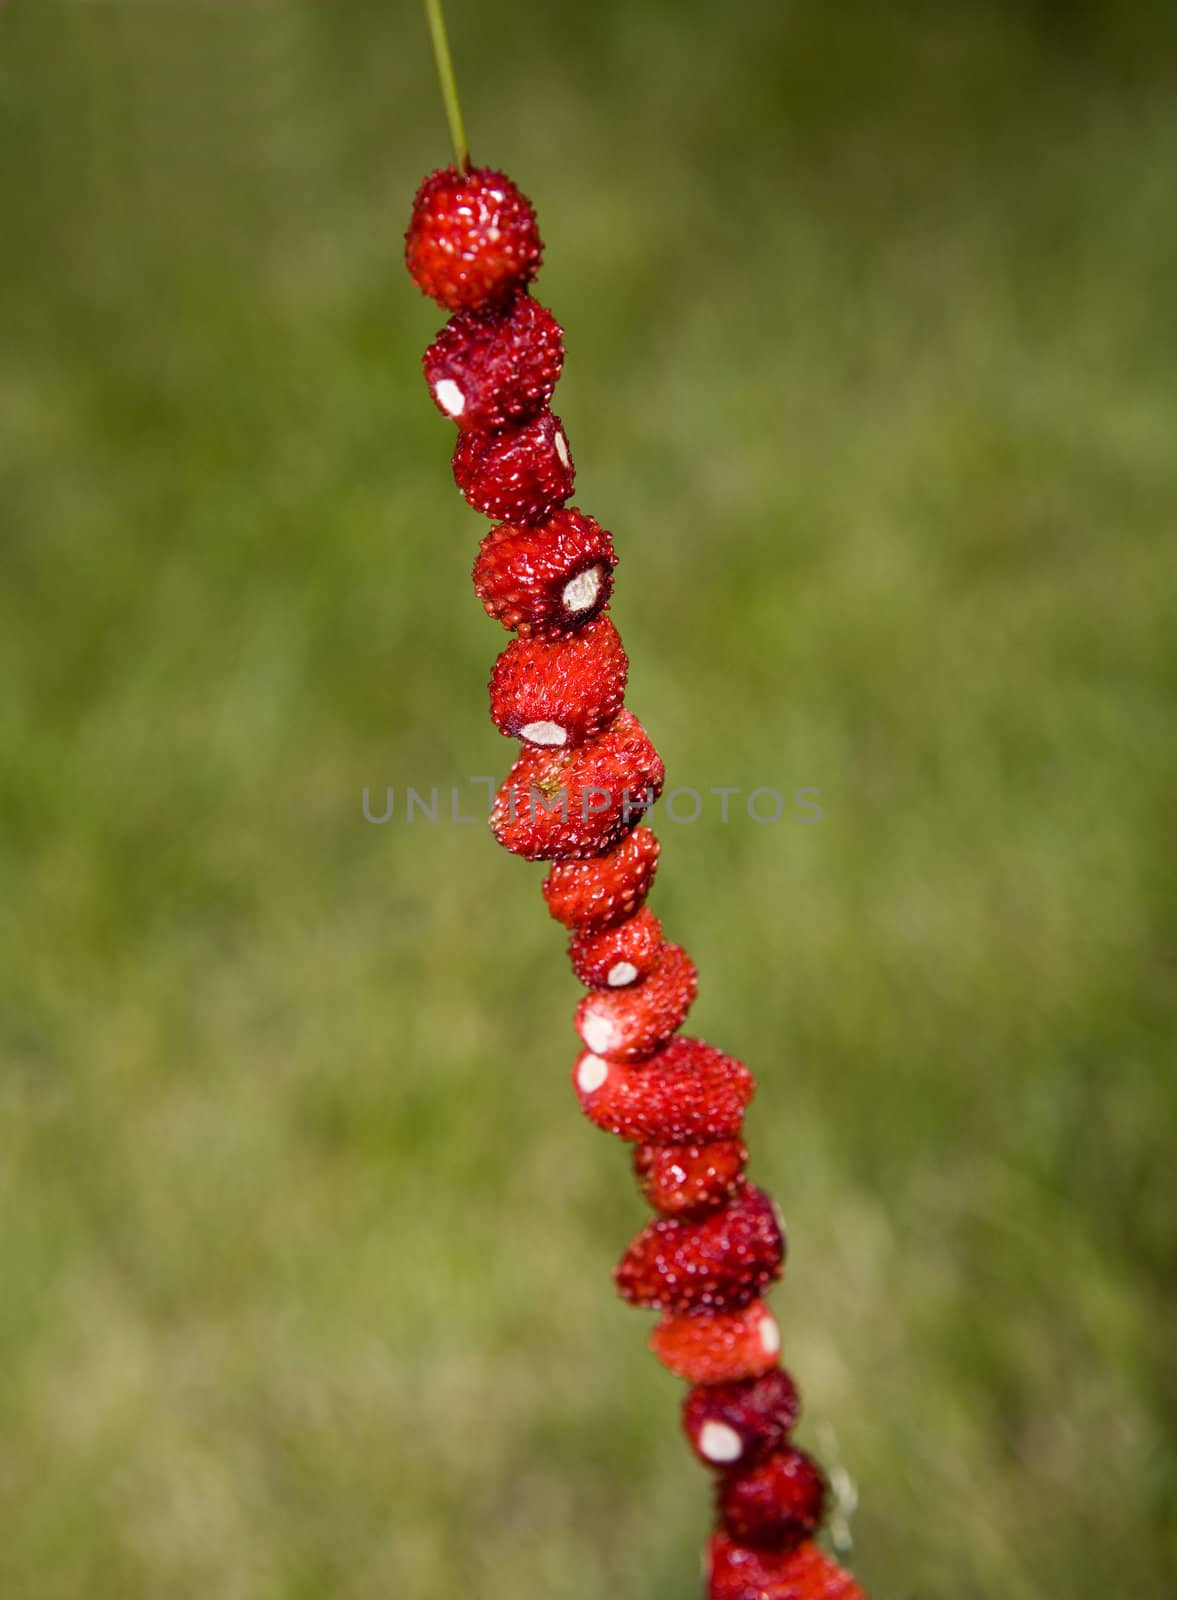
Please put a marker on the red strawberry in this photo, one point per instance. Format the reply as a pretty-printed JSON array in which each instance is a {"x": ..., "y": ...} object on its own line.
[
  {"x": 730, "y": 1423},
  {"x": 521, "y": 475},
  {"x": 719, "y": 1264},
  {"x": 688, "y": 1180},
  {"x": 718, "y": 1346},
  {"x": 778, "y": 1503},
  {"x": 551, "y": 579},
  {"x": 806, "y": 1573},
  {"x": 472, "y": 238},
  {"x": 615, "y": 957},
  {"x": 488, "y": 369},
  {"x": 557, "y": 805},
  {"x": 627, "y": 1024},
  {"x": 591, "y": 895},
  {"x": 688, "y": 1091},
  {"x": 562, "y": 690}
]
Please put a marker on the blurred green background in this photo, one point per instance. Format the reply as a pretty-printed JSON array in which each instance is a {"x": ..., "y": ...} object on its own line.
[{"x": 872, "y": 326}]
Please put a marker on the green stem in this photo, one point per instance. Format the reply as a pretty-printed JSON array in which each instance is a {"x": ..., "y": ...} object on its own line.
[{"x": 449, "y": 86}]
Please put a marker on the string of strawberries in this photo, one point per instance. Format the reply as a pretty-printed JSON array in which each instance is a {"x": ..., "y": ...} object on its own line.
[{"x": 575, "y": 797}]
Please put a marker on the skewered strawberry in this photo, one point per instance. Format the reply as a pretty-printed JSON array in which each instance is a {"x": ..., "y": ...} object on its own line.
[
  {"x": 557, "y": 805},
  {"x": 562, "y": 690},
  {"x": 489, "y": 369},
  {"x": 688, "y": 1092},
  {"x": 718, "y": 1264},
  {"x": 776, "y": 1503},
  {"x": 472, "y": 238},
  {"x": 736, "y": 1424},
  {"x": 718, "y": 1346},
  {"x": 688, "y": 1180},
  {"x": 592, "y": 895},
  {"x": 521, "y": 474},
  {"x": 550, "y": 579}
]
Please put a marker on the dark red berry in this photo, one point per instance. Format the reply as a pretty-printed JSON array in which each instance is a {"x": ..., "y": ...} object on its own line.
[
  {"x": 719, "y": 1264},
  {"x": 592, "y": 895},
  {"x": 736, "y": 1424},
  {"x": 718, "y": 1346},
  {"x": 688, "y": 1180},
  {"x": 629, "y": 1024},
  {"x": 551, "y": 579},
  {"x": 613, "y": 958},
  {"x": 738, "y": 1572},
  {"x": 472, "y": 238},
  {"x": 688, "y": 1092},
  {"x": 559, "y": 690},
  {"x": 520, "y": 475},
  {"x": 560, "y": 805},
  {"x": 777, "y": 1503},
  {"x": 489, "y": 369}
]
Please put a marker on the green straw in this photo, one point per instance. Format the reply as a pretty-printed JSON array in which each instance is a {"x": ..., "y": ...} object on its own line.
[{"x": 449, "y": 87}]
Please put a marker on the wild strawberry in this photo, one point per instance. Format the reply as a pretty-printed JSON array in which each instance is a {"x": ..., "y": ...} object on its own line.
[
  {"x": 560, "y": 805},
  {"x": 688, "y": 1180},
  {"x": 561, "y": 690},
  {"x": 720, "y": 1263},
  {"x": 628, "y": 1024},
  {"x": 615, "y": 957},
  {"x": 488, "y": 369},
  {"x": 730, "y": 1424},
  {"x": 592, "y": 895},
  {"x": 718, "y": 1346},
  {"x": 472, "y": 238},
  {"x": 520, "y": 475},
  {"x": 778, "y": 1503},
  {"x": 687, "y": 1092},
  {"x": 737, "y": 1572},
  {"x": 551, "y": 579}
]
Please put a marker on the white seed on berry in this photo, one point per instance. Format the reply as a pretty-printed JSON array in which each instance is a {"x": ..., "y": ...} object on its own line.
[
  {"x": 770, "y": 1335},
  {"x": 449, "y": 397},
  {"x": 581, "y": 592},
  {"x": 621, "y": 973},
  {"x": 543, "y": 733},
  {"x": 720, "y": 1443},
  {"x": 591, "y": 1073},
  {"x": 597, "y": 1031},
  {"x": 561, "y": 444}
]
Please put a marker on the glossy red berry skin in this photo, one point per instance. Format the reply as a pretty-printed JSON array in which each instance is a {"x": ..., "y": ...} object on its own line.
[
  {"x": 614, "y": 958},
  {"x": 628, "y": 1024},
  {"x": 520, "y": 475},
  {"x": 721, "y": 1263},
  {"x": 589, "y": 896},
  {"x": 472, "y": 239},
  {"x": 741, "y": 1572},
  {"x": 561, "y": 690},
  {"x": 487, "y": 370},
  {"x": 731, "y": 1426},
  {"x": 689, "y": 1180},
  {"x": 718, "y": 1347},
  {"x": 548, "y": 579},
  {"x": 689, "y": 1092},
  {"x": 560, "y": 805},
  {"x": 777, "y": 1503}
]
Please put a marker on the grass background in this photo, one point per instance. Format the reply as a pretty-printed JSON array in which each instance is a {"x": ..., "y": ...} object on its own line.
[{"x": 872, "y": 326}]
